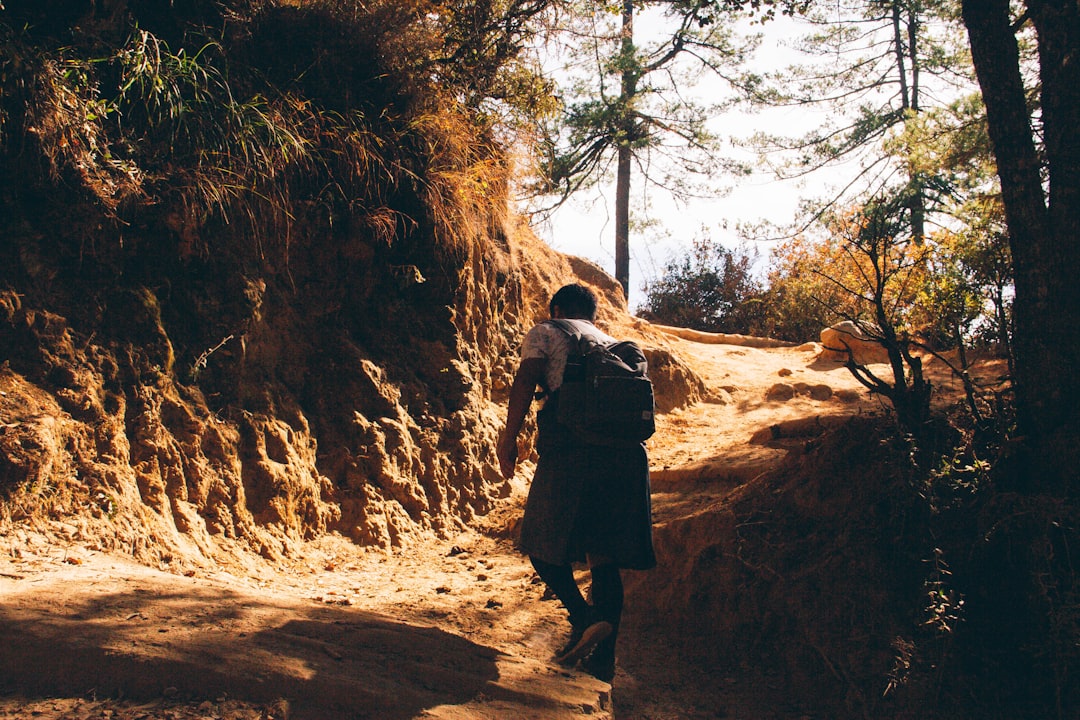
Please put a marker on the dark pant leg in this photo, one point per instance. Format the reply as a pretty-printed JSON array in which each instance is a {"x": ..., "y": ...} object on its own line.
[
  {"x": 607, "y": 596},
  {"x": 560, "y": 578}
]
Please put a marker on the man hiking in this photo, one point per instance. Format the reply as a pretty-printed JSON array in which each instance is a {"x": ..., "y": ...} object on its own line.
[{"x": 588, "y": 501}]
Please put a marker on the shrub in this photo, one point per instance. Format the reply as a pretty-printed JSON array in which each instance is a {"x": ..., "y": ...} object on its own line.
[{"x": 710, "y": 288}]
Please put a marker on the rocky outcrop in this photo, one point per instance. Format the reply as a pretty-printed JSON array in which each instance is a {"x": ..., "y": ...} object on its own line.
[
  {"x": 846, "y": 340},
  {"x": 378, "y": 424}
]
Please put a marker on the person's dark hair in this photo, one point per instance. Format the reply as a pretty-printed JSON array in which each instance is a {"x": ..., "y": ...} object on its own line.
[{"x": 575, "y": 301}]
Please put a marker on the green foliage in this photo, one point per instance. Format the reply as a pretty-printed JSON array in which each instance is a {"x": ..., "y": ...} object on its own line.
[
  {"x": 799, "y": 302},
  {"x": 866, "y": 257},
  {"x": 873, "y": 70},
  {"x": 166, "y": 90},
  {"x": 944, "y": 604},
  {"x": 631, "y": 105},
  {"x": 1003, "y": 615},
  {"x": 334, "y": 107},
  {"x": 948, "y": 304},
  {"x": 905, "y": 108},
  {"x": 639, "y": 96},
  {"x": 710, "y": 288},
  {"x": 483, "y": 53},
  {"x": 994, "y": 615},
  {"x": 871, "y": 272},
  {"x": 967, "y": 292},
  {"x": 954, "y": 290}
]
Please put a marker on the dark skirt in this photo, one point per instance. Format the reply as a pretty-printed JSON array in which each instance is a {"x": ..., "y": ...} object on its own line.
[{"x": 588, "y": 500}]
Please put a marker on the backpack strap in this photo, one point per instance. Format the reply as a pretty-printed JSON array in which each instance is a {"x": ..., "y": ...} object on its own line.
[
  {"x": 572, "y": 330},
  {"x": 567, "y": 327}
]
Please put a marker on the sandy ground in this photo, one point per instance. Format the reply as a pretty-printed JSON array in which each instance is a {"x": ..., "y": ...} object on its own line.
[{"x": 458, "y": 628}]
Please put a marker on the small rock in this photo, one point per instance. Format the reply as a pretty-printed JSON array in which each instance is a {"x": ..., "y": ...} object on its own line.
[{"x": 780, "y": 392}]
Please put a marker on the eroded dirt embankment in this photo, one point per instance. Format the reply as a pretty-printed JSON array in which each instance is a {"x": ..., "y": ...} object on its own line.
[{"x": 375, "y": 422}]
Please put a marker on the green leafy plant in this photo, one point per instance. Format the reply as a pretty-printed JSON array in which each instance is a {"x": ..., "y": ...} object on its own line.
[{"x": 710, "y": 288}]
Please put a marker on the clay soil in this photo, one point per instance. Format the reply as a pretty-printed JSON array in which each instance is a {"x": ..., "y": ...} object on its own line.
[{"x": 457, "y": 627}]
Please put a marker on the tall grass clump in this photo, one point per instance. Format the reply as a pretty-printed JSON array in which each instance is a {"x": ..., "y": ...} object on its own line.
[{"x": 335, "y": 110}]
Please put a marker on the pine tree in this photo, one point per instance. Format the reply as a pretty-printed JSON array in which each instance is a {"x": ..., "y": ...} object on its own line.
[{"x": 634, "y": 104}]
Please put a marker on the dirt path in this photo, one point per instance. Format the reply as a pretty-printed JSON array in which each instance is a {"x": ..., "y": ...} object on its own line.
[
  {"x": 444, "y": 632},
  {"x": 454, "y": 629}
]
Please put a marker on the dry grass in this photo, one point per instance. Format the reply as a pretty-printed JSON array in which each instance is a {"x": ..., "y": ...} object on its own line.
[{"x": 365, "y": 120}]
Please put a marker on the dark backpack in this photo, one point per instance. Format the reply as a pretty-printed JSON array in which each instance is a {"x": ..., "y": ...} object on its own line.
[{"x": 606, "y": 397}]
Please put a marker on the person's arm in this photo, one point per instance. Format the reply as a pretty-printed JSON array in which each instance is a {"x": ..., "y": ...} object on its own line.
[{"x": 530, "y": 374}]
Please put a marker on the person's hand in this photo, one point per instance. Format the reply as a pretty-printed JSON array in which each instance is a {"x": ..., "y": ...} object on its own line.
[{"x": 507, "y": 454}]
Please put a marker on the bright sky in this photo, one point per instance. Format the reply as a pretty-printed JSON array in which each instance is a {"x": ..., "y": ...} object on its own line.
[{"x": 585, "y": 225}]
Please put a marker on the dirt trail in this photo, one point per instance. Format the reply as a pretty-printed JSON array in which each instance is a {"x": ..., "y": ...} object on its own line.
[
  {"x": 454, "y": 629},
  {"x": 382, "y": 637}
]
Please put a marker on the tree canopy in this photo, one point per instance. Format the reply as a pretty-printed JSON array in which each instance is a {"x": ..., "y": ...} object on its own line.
[{"x": 634, "y": 103}]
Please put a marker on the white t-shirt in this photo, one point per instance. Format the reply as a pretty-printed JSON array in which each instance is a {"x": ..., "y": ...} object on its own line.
[{"x": 553, "y": 345}]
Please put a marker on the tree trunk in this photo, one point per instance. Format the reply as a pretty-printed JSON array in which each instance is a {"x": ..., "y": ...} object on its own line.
[
  {"x": 918, "y": 197},
  {"x": 905, "y": 49},
  {"x": 622, "y": 220},
  {"x": 622, "y": 177},
  {"x": 1043, "y": 239}
]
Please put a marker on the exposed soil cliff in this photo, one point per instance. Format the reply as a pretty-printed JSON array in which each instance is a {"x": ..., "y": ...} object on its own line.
[
  {"x": 226, "y": 317},
  {"x": 290, "y": 429}
]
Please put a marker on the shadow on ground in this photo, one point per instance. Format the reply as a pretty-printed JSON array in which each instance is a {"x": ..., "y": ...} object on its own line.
[{"x": 329, "y": 662}]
